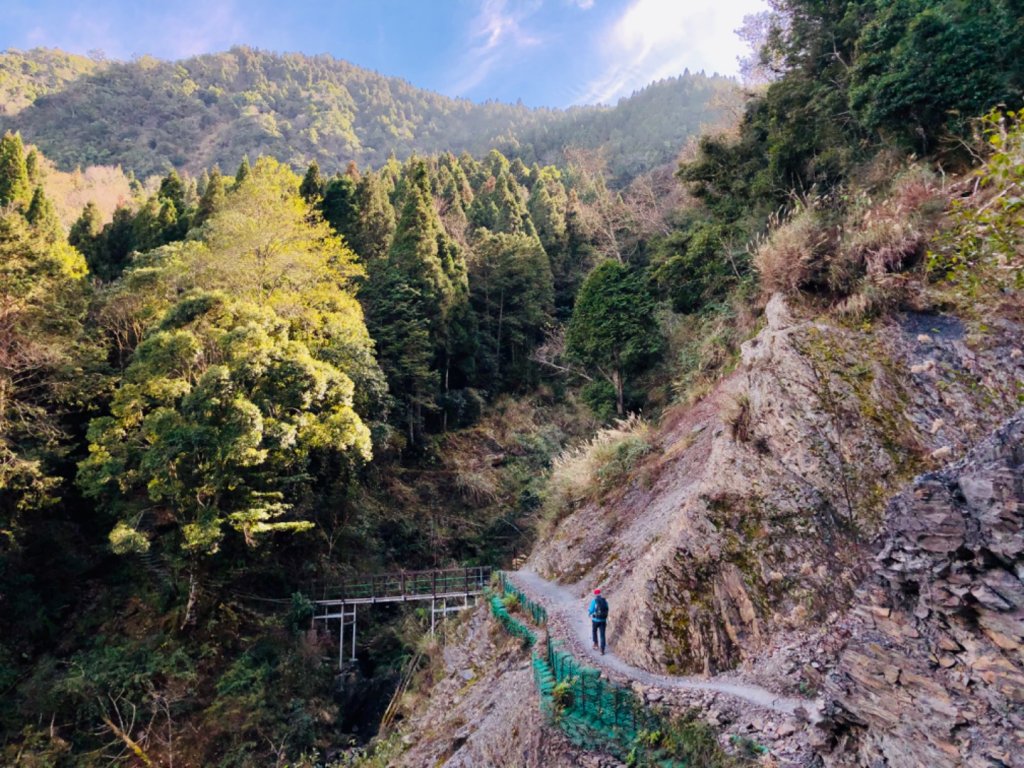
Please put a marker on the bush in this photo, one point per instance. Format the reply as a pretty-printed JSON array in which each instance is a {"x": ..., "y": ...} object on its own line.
[
  {"x": 794, "y": 256},
  {"x": 589, "y": 470},
  {"x": 984, "y": 246}
]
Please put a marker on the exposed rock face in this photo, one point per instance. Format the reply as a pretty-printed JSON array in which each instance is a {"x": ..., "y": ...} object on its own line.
[
  {"x": 750, "y": 520},
  {"x": 485, "y": 710},
  {"x": 934, "y": 673}
]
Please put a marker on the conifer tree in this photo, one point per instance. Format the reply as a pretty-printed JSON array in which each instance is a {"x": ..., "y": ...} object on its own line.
[
  {"x": 212, "y": 199},
  {"x": 512, "y": 291},
  {"x": 14, "y": 182},
  {"x": 340, "y": 206},
  {"x": 43, "y": 216},
  {"x": 243, "y": 170},
  {"x": 376, "y": 218},
  {"x": 614, "y": 331},
  {"x": 85, "y": 233},
  {"x": 172, "y": 188},
  {"x": 115, "y": 246},
  {"x": 312, "y": 187},
  {"x": 33, "y": 169}
]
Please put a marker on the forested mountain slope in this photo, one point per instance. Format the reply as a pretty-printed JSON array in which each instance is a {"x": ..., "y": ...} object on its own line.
[
  {"x": 148, "y": 115},
  {"x": 245, "y": 383}
]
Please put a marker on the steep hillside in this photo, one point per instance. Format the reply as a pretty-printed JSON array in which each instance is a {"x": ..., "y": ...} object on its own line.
[{"x": 147, "y": 115}]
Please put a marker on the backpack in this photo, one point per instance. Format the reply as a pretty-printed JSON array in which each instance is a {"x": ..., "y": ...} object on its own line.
[{"x": 600, "y": 608}]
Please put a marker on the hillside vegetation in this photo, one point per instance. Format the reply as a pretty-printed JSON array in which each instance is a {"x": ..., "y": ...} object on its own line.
[
  {"x": 257, "y": 378},
  {"x": 149, "y": 116}
]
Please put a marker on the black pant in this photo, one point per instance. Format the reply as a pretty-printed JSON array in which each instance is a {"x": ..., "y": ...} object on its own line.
[{"x": 598, "y": 627}]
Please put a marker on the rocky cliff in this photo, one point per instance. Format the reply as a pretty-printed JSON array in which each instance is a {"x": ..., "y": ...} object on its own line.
[
  {"x": 933, "y": 672},
  {"x": 752, "y": 519},
  {"x": 777, "y": 531}
]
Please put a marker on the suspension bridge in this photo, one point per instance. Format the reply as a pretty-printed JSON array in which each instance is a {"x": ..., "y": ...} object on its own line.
[{"x": 448, "y": 590}]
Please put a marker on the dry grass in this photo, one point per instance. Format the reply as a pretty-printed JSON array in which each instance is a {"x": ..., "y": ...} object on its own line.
[
  {"x": 861, "y": 255},
  {"x": 793, "y": 256},
  {"x": 707, "y": 348},
  {"x": 589, "y": 470}
]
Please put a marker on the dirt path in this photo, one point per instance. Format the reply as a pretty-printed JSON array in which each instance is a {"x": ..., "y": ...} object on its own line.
[{"x": 569, "y": 609}]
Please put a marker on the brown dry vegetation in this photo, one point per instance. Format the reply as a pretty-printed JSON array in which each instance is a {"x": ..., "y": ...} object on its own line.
[{"x": 861, "y": 259}]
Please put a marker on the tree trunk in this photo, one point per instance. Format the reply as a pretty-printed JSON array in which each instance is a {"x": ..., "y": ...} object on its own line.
[
  {"x": 620, "y": 400},
  {"x": 190, "y": 606},
  {"x": 497, "y": 340}
]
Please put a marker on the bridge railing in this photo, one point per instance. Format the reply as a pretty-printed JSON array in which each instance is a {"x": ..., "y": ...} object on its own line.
[{"x": 411, "y": 584}]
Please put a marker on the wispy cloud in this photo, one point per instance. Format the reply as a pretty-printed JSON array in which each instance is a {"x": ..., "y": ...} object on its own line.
[
  {"x": 209, "y": 26},
  {"x": 654, "y": 39},
  {"x": 188, "y": 28},
  {"x": 495, "y": 36},
  {"x": 584, "y": 5}
]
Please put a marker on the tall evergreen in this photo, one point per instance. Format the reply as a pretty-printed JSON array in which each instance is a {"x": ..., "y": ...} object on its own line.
[
  {"x": 33, "y": 168},
  {"x": 43, "y": 216},
  {"x": 312, "y": 187},
  {"x": 341, "y": 205},
  {"x": 212, "y": 199},
  {"x": 376, "y": 218},
  {"x": 115, "y": 246},
  {"x": 14, "y": 182},
  {"x": 243, "y": 170},
  {"x": 85, "y": 233}
]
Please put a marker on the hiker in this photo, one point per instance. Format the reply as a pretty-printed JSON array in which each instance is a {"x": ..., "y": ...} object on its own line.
[{"x": 598, "y": 612}]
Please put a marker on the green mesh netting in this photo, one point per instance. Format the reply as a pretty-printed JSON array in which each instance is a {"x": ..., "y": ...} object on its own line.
[{"x": 596, "y": 714}]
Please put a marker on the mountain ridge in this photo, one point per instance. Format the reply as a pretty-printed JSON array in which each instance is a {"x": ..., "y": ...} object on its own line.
[{"x": 149, "y": 115}]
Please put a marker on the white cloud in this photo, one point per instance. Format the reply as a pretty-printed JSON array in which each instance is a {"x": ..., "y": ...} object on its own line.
[
  {"x": 654, "y": 39},
  {"x": 495, "y": 34},
  {"x": 201, "y": 27},
  {"x": 584, "y": 5}
]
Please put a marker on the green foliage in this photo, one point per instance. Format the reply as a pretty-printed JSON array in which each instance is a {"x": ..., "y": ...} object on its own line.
[
  {"x": 219, "y": 407},
  {"x": 312, "y": 187},
  {"x": 613, "y": 330},
  {"x": 305, "y": 108},
  {"x": 850, "y": 77},
  {"x": 922, "y": 67},
  {"x": 14, "y": 183},
  {"x": 213, "y": 197},
  {"x": 693, "y": 266},
  {"x": 299, "y": 614},
  {"x": 512, "y": 292},
  {"x": 42, "y": 362},
  {"x": 225, "y": 403},
  {"x": 43, "y": 216},
  {"x": 983, "y": 248}
]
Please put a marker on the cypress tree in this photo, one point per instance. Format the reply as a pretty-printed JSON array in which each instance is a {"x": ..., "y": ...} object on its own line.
[
  {"x": 340, "y": 205},
  {"x": 212, "y": 199},
  {"x": 115, "y": 246},
  {"x": 85, "y": 233},
  {"x": 312, "y": 187},
  {"x": 33, "y": 169},
  {"x": 376, "y": 218},
  {"x": 243, "y": 170},
  {"x": 173, "y": 189},
  {"x": 14, "y": 183},
  {"x": 43, "y": 216}
]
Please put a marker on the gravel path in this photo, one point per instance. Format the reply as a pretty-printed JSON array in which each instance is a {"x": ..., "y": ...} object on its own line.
[{"x": 569, "y": 610}]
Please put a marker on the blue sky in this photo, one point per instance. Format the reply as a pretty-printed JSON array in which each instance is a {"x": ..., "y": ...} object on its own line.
[{"x": 545, "y": 52}]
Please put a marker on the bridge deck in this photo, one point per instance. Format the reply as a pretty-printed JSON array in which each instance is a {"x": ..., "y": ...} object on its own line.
[{"x": 408, "y": 585}]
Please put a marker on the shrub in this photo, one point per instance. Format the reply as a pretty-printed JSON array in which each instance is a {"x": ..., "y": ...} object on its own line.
[
  {"x": 793, "y": 257},
  {"x": 587, "y": 471},
  {"x": 984, "y": 246}
]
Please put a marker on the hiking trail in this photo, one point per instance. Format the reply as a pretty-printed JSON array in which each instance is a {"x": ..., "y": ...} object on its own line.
[{"x": 569, "y": 611}]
